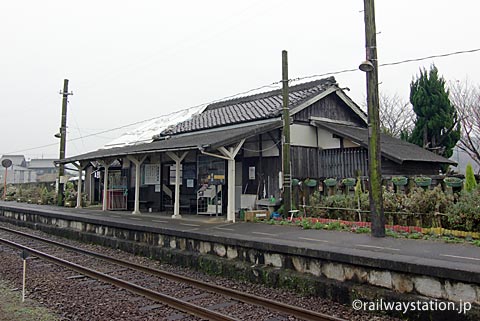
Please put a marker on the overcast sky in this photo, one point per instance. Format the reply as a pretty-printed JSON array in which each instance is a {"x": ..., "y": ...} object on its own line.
[{"x": 129, "y": 61}]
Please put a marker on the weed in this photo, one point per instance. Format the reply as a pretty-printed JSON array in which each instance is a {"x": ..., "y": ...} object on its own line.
[
  {"x": 319, "y": 226},
  {"x": 306, "y": 224},
  {"x": 476, "y": 242},
  {"x": 364, "y": 229},
  {"x": 334, "y": 226}
]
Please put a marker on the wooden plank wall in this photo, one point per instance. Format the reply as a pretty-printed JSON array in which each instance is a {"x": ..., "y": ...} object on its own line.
[
  {"x": 342, "y": 162},
  {"x": 331, "y": 107},
  {"x": 304, "y": 162},
  {"x": 339, "y": 162}
]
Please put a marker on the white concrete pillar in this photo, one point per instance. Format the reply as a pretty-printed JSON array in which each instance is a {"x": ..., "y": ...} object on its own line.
[
  {"x": 136, "y": 207},
  {"x": 231, "y": 188},
  {"x": 138, "y": 163},
  {"x": 79, "y": 187},
  {"x": 230, "y": 156},
  {"x": 178, "y": 160},
  {"x": 176, "y": 207},
  {"x": 105, "y": 187}
]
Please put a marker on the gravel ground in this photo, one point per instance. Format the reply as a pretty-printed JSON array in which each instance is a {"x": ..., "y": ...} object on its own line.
[{"x": 73, "y": 297}]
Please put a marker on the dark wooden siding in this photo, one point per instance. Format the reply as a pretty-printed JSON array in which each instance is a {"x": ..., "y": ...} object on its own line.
[
  {"x": 347, "y": 162},
  {"x": 343, "y": 162},
  {"x": 331, "y": 107},
  {"x": 409, "y": 168},
  {"x": 304, "y": 162}
]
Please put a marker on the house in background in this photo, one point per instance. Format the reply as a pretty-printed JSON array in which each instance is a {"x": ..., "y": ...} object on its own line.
[
  {"x": 462, "y": 159},
  {"x": 231, "y": 152},
  {"x": 18, "y": 172},
  {"x": 29, "y": 171},
  {"x": 44, "y": 168}
]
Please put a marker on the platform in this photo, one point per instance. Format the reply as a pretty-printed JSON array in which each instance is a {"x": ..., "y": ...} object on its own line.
[
  {"x": 415, "y": 268},
  {"x": 432, "y": 255}
]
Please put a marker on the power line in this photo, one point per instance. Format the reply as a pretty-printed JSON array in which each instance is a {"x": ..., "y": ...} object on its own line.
[
  {"x": 271, "y": 85},
  {"x": 149, "y": 119},
  {"x": 430, "y": 57},
  {"x": 390, "y": 63}
]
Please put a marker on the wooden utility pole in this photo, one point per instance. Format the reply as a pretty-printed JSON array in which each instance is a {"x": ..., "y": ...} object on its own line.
[
  {"x": 63, "y": 141},
  {"x": 374, "y": 151},
  {"x": 287, "y": 181}
]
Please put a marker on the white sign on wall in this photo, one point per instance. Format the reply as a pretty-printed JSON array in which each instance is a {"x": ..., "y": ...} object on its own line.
[
  {"x": 251, "y": 172},
  {"x": 152, "y": 174}
]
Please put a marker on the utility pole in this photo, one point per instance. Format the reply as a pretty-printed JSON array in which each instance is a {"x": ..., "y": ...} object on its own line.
[
  {"x": 287, "y": 181},
  {"x": 63, "y": 141},
  {"x": 370, "y": 66}
]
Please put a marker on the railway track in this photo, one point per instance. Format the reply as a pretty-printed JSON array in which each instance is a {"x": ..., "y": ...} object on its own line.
[{"x": 139, "y": 279}]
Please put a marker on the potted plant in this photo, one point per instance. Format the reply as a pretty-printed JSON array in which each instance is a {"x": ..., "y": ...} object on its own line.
[
  {"x": 310, "y": 182},
  {"x": 453, "y": 181},
  {"x": 399, "y": 180},
  {"x": 330, "y": 182},
  {"x": 349, "y": 181},
  {"x": 423, "y": 181}
]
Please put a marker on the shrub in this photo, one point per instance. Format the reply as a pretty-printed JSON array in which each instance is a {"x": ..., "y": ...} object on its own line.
[
  {"x": 340, "y": 201},
  {"x": 425, "y": 204},
  {"x": 464, "y": 215},
  {"x": 470, "y": 182},
  {"x": 428, "y": 202}
]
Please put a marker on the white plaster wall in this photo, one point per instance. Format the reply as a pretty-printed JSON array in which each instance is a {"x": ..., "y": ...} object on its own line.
[
  {"x": 303, "y": 135},
  {"x": 326, "y": 140}
]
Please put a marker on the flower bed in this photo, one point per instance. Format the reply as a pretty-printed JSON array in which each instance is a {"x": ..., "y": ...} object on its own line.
[{"x": 353, "y": 225}]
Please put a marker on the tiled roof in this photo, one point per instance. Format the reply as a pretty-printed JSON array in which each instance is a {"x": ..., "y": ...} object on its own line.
[
  {"x": 255, "y": 107},
  {"x": 42, "y": 163},
  {"x": 392, "y": 148}
]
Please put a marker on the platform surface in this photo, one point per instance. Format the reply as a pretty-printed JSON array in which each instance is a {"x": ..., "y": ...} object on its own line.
[{"x": 435, "y": 258}]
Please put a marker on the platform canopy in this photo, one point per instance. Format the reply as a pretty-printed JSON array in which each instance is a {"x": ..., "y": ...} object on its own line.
[{"x": 210, "y": 139}]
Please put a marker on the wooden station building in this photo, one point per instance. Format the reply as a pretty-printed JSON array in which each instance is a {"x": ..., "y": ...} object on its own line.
[{"x": 229, "y": 155}]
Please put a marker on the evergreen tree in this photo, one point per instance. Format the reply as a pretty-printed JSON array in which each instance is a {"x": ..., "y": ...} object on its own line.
[
  {"x": 470, "y": 182},
  {"x": 436, "y": 126}
]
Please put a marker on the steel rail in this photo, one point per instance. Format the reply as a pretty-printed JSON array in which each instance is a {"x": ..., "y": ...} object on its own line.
[
  {"x": 241, "y": 296},
  {"x": 155, "y": 296}
]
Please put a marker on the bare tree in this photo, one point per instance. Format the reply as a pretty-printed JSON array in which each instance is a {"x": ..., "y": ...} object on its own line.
[
  {"x": 466, "y": 98},
  {"x": 396, "y": 115}
]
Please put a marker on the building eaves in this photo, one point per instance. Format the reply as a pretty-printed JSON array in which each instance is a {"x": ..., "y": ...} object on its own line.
[
  {"x": 206, "y": 139},
  {"x": 392, "y": 148}
]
